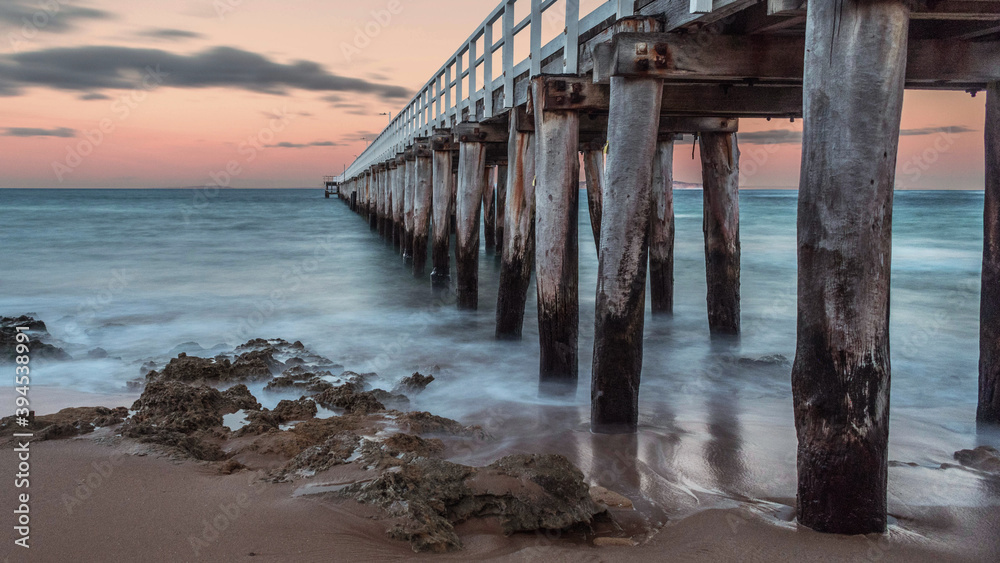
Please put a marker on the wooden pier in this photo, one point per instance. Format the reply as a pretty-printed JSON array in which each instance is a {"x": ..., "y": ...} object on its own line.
[{"x": 618, "y": 87}]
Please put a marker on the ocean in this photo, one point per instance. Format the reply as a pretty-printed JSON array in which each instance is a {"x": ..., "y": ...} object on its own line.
[{"x": 143, "y": 274}]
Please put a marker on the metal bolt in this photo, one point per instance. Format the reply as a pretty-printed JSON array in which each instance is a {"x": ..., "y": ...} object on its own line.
[{"x": 641, "y": 48}]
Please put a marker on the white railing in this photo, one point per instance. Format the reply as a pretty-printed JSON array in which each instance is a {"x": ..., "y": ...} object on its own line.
[{"x": 434, "y": 106}]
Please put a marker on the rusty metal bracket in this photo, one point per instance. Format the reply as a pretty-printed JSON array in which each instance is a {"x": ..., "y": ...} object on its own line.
[
  {"x": 571, "y": 93},
  {"x": 471, "y": 132}
]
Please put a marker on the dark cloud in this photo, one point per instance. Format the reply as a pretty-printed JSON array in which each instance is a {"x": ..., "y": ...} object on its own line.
[
  {"x": 94, "y": 96},
  {"x": 788, "y": 136},
  {"x": 935, "y": 130},
  {"x": 38, "y": 132},
  {"x": 305, "y": 145},
  {"x": 48, "y": 16},
  {"x": 169, "y": 34},
  {"x": 92, "y": 69}
]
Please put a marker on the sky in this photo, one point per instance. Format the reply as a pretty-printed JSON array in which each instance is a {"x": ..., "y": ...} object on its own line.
[{"x": 153, "y": 94}]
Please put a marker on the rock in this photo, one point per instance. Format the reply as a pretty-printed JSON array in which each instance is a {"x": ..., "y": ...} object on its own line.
[
  {"x": 614, "y": 542},
  {"x": 427, "y": 423},
  {"x": 185, "y": 417},
  {"x": 608, "y": 498},
  {"x": 524, "y": 492},
  {"x": 230, "y": 466},
  {"x": 38, "y": 337},
  {"x": 408, "y": 443},
  {"x": 763, "y": 361},
  {"x": 97, "y": 354},
  {"x": 299, "y": 377},
  {"x": 66, "y": 423},
  {"x": 250, "y": 366},
  {"x": 983, "y": 458},
  {"x": 334, "y": 451},
  {"x": 413, "y": 384},
  {"x": 347, "y": 398},
  {"x": 301, "y": 409}
]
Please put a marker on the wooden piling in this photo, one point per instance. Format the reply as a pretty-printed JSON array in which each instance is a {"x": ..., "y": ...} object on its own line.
[
  {"x": 443, "y": 196},
  {"x": 409, "y": 199},
  {"x": 633, "y": 124},
  {"x": 593, "y": 170},
  {"x": 720, "y": 169},
  {"x": 397, "y": 202},
  {"x": 661, "y": 228},
  {"x": 989, "y": 324},
  {"x": 518, "y": 257},
  {"x": 853, "y": 94},
  {"x": 371, "y": 211},
  {"x": 556, "y": 244},
  {"x": 423, "y": 200},
  {"x": 489, "y": 212},
  {"x": 501, "y": 206},
  {"x": 471, "y": 176}
]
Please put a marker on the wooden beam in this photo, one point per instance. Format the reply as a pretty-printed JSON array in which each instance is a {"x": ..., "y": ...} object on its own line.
[
  {"x": 704, "y": 58},
  {"x": 677, "y": 14},
  {"x": 483, "y": 132}
]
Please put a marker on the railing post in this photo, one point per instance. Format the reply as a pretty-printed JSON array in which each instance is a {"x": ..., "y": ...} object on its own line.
[
  {"x": 536, "y": 37},
  {"x": 508, "y": 54},
  {"x": 488, "y": 71},
  {"x": 571, "y": 48}
]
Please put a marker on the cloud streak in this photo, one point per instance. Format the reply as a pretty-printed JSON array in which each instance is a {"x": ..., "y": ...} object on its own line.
[
  {"x": 59, "y": 20},
  {"x": 91, "y": 69},
  {"x": 169, "y": 34},
  {"x": 789, "y": 137},
  {"x": 64, "y": 132},
  {"x": 287, "y": 145}
]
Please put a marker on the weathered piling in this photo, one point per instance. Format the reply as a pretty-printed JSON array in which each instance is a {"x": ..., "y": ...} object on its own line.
[
  {"x": 556, "y": 246},
  {"x": 397, "y": 201},
  {"x": 661, "y": 228},
  {"x": 519, "y": 228},
  {"x": 489, "y": 212},
  {"x": 371, "y": 179},
  {"x": 720, "y": 169},
  {"x": 471, "y": 176},
  {"x": 633, "y": 124},
  {"x": 409, "y": 198},
  {"x": 383, "y": 201},
  {"x": 593, "y": 171},
  {"x": 853, "y": 93},
  {"x": 501, "y": 206},
  {"x": 989, "y": 324},
  {"x": 443, "y": 196},
  {"x": 423, "y": 200}
]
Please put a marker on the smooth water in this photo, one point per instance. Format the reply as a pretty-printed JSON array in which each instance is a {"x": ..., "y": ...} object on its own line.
[{"x": 139, "y": 272}]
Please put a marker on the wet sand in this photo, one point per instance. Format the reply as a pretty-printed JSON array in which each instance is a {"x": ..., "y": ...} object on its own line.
[{"x": 694, "y": 501}]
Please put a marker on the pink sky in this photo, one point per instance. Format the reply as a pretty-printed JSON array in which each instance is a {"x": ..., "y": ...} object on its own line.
[{"x": 178, "y": 134}]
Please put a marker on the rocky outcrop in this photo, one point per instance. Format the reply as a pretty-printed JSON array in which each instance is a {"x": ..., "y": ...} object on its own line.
[
  {"x": 348, "y": 398},
  {"x": 983, "y": 458},
  {"x": 523, "y": 492},
  {"x": 413, "y": 384},
  {"x": 186, "y": 417},
  {"x": 427, "y": 423},
  {"x": 38, "y": 340},
  {"x": 66, "y": 423}
]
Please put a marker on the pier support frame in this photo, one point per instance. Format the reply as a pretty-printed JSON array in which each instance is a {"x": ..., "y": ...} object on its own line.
[
  {"x": 422, "y": 204},
  {"x": 854, "y": 75},
  {"x": 989, "y": 324},
  {"x": 372, "y": 213},
  {"x": 720, "y": 166},
  {"x": 468, "y": 204},
  {"x": 661, "y": 228},
  {"x": 443, "y": 196},
  {"x": 556, "y": 243},
  {"x": 518, "y": 257},
  {"x": 633, "y": 125}
]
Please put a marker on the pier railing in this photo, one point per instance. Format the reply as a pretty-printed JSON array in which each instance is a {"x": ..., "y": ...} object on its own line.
[{"x": 454, "y": 94}]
